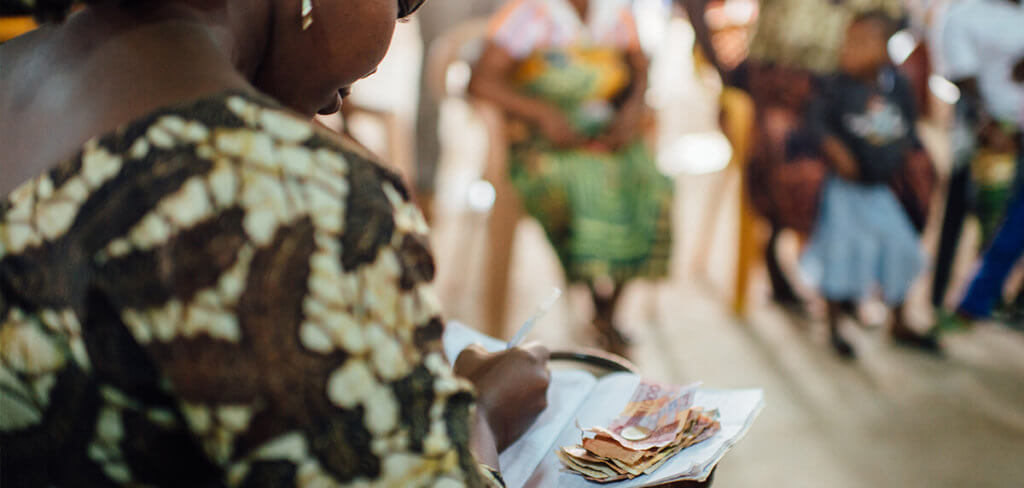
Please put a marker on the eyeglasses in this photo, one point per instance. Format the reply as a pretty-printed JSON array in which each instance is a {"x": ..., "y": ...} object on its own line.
[{"x": 408, "y": 7}]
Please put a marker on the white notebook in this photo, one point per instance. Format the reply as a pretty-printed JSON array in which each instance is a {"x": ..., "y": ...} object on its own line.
[{"x": 531, "y": 460}]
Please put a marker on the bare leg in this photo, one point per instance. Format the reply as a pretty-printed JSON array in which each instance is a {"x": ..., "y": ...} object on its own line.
[
  {"x": 782, "y": 291},
  {"x": 605, "y": 305},
  {"x": 835, "y": 312}
]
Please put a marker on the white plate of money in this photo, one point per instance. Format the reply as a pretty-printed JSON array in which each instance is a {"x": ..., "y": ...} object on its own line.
[{"x": 658, "y": 422}]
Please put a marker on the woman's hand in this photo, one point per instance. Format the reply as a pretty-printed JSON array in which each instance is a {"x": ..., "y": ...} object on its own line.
[
  {"x": 625, "y": 128},
  {"x": 556, "y": 128},
  {"x": 843, "y": 162},
  {"x": 511, "y": 387}
]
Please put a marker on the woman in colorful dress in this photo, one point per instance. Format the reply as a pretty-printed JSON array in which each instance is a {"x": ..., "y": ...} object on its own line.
[
  {"x": 571, "y": 76},
  {"x": 200, "y": 288}
]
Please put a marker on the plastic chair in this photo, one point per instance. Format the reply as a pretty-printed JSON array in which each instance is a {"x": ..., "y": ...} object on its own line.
[
  {"x": 737, "y": 122},
  {"x": 12, "y": 27},
  {"x": 453, "y": 47}
]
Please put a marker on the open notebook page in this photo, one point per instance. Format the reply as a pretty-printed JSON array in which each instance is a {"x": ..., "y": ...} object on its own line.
[
  {"x": 737, "y": 410},
  {"x": 458, "y": 336},
  {"x": 609, "y": 396},
  {"x": 567, "y": 393}
]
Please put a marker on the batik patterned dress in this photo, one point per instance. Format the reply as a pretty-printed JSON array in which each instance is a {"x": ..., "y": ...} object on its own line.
[
  {"x": 606, "y": 213},
  {"x": 219, "y": 294}
]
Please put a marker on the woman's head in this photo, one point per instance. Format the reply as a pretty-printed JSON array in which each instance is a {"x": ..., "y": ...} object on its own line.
[
  {"x": 301, "y": 56},
  {"x": 305, "y": 68}
]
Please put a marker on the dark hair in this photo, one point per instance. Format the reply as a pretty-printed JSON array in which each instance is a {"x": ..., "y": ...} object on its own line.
[
  {"x": 408, "y": 7},
  {"x": 43, "y": 10},
  {"x": 57, "y": 10},
  {"x": 880, "y": 19}
]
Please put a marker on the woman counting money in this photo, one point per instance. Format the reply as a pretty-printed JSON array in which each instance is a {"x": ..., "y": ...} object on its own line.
[{"x": 199, "y": 288}]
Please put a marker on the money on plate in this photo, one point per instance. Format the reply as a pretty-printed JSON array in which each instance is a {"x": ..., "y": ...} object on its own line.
[{"x": 657, "y": 423}]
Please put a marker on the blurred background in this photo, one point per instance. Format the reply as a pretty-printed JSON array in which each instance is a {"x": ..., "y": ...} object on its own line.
[
  {"x": 893, "y": 417},
  {"x": 728, "y": 85}
]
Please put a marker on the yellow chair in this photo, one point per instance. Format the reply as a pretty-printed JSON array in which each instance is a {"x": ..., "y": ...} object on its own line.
[
  {"x": 738, "y": 116},
  {"x": 737, "y": 124},
  {"x": 12, "y": 27}
]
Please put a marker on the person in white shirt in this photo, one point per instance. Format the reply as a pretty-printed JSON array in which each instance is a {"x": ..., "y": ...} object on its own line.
[
  {"x": 982, "y": 45},
  {"x": 982, "y": 51}
]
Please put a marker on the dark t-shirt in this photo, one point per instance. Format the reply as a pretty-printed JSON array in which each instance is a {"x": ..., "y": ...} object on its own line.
[{"x": 876, "y": 122}]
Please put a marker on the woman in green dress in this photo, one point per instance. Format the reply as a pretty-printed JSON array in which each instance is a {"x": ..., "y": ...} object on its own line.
[{"x": 571, "y": 76}]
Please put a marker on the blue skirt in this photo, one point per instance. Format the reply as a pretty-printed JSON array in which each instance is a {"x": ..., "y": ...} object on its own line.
[{"x": 863, "y": 239}]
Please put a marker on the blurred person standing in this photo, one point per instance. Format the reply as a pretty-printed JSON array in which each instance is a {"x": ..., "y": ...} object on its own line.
[
  {"x": 435, "y": 18},
  {"x": 571, "y": 76},
  {"x": 983, "y": 53},
  {"x": 1002, "y": 256},
  {"x": 863, "y": 237},
  {"x": 795, "y": 45}
]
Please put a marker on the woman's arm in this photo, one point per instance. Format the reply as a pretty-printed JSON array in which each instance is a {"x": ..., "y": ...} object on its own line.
[
  {"x": 840, "y": 157},
  {"x": 695, "y": 10},
  {"x": 481, "y": 441},
  {"x": 628, "y": 122},
  {"x": 639, "y": 66},
  {"x": 491, "y": 82}
]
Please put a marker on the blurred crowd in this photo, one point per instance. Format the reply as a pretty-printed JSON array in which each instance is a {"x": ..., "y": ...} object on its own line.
[{"x": 821, "y": 101}]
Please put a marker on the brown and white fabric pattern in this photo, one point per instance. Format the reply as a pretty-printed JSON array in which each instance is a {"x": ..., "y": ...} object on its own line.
[{"x": 221, "y": 295}]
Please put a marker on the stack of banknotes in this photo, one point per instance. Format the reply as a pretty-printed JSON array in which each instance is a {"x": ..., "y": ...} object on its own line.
[{"x": 657, "y": 423}]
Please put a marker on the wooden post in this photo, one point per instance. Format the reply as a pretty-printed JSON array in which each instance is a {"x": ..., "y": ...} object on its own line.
[{"x": 738, "y": 126}]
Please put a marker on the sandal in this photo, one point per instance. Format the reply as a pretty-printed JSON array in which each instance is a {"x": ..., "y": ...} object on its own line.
[
  {"x": 946, "y": 321},
  {"x": 612, "y": 339},
  {"x": 928, "y": 343},
  {"x": 843, "y": 348}
]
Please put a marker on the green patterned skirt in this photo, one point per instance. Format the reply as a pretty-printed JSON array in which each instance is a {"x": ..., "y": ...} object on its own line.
[{"x": 606, "y": 214}]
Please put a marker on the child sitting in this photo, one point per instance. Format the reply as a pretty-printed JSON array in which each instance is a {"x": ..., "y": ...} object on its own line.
[{"x": 863, "y": 237}]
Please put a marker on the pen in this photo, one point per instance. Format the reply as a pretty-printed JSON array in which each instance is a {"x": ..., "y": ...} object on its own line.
[{"x": 542, "y": 310}]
